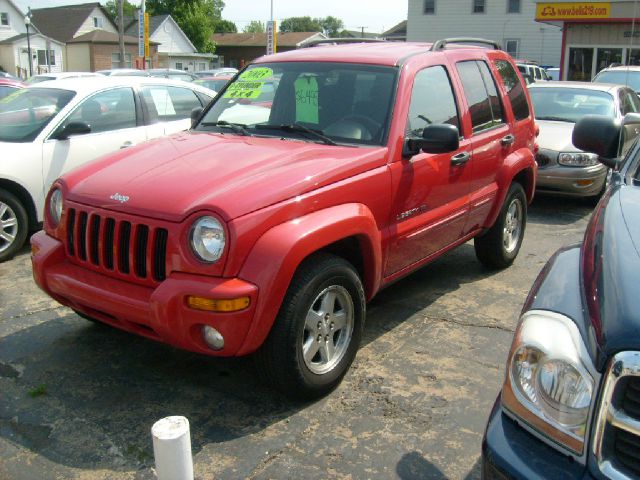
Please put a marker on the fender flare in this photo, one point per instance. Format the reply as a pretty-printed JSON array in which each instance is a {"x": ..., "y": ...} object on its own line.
[
  {"x": 275, "y": 257},
  {"x": 518, "y": 162}
]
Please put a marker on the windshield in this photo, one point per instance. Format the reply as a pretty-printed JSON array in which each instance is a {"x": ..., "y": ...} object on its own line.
[
  {"x": 314, "y": 101},
  {"x": 620, "y": 77},
  {"x": 213, "y": 84},
  {"x": 569, "y": 104},
  {"x": 25, "y": 113}
]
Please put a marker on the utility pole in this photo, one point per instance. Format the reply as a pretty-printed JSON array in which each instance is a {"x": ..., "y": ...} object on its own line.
[
  {"x": 123, "y": 63},
  {"x": 362, "y": 31}
]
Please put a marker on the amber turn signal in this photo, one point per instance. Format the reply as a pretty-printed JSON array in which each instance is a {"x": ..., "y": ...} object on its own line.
[{"x": 218, "y": 305}]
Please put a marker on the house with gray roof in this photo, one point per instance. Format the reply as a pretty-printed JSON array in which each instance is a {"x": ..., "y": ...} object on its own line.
[
  {"x": 175, "y": 50},
  {"x": 47, "y": 53}
]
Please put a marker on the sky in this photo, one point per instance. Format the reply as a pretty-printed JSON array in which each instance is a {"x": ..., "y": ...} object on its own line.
[{"x": 375, "y": 15}]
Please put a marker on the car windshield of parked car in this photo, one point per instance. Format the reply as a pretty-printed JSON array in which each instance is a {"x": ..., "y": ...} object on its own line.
[
  {"x": 25, "y": 113},
  {"x": 620, "y": 77},
  {"x": 569, "y": 104},
  {"x": 213, "y": 84},
  {"x": 315, "y": 101}
]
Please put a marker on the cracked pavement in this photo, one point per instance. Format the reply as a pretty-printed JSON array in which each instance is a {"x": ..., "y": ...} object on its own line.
[{"x": 78, "y": 399}]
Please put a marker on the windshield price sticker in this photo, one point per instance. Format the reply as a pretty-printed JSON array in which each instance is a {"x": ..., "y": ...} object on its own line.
[
  {"x": 244, "y": 90},
  {"x": 306, "y": 88},
  {"x": 257, "y": 74}
]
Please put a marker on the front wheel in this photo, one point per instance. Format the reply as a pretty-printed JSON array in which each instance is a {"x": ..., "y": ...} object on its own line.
[
  {"x": 318, "y": 329},
  {"x": 14, "y": 225},
  {"x": 499, "y": 247}
]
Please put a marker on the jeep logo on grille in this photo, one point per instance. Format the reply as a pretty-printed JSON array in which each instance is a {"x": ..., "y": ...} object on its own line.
[{"x": 119, "y": 198}]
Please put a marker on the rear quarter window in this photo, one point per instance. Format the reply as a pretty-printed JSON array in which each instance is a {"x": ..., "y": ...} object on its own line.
[
  {"x": 482, "y": 95},
  {"x": 515, "y": 89}
]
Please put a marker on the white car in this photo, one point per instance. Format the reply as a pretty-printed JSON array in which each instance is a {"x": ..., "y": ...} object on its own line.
[
  {"x": 51, "y": 127},
  {"x": 47, "y": 77}
]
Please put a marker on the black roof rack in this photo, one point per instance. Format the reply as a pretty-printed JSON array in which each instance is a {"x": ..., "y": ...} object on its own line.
[
  {"x": 339, "y": 41},
  {"x": 481, "y": 42}
]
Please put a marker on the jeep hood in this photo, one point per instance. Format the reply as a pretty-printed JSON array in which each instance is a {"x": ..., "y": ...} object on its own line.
[
  {"x": 611, "y": 272},
  {"x": 556, "y": 136},
  {"x": 232, "y": 175}
]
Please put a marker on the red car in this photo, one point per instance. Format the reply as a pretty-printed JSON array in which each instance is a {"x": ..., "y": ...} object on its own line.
[
  {"x": 8, "y": 86},
  {"x": 267, "y": 227}
]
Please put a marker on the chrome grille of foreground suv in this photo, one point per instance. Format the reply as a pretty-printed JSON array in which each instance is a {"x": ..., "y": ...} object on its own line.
[
  {"x": 117, "y": 245},
  {"x": 617, "y": 436}
]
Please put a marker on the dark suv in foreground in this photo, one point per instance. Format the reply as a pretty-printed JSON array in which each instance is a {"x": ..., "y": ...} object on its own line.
[{"x": 570, "y": 403}]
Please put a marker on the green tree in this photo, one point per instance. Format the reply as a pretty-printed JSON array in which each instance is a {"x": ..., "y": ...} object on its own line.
[
  {"x": 300, "y": 24},
  {"x": 224, "y": 26},
  {"x": 128, "y": 8},
  {"x": 255, "y": 26},
  {"x": 196, "y": 18},
  {"x": 331, "y": 26}
]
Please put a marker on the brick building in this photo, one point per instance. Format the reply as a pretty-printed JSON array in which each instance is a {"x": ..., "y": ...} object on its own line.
[{"x": 99, "y": 50}]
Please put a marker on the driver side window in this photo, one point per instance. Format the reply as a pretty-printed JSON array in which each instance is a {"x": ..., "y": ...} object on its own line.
[
  {"x": 105, "y": 111},
  {"x": 432, "y": 100}
]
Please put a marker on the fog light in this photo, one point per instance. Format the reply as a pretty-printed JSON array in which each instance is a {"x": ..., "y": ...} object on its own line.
[
  {"x": 218, "y": 305},
  {"x": 212, "y": 337},
  {"x": 34, "y": 250}
]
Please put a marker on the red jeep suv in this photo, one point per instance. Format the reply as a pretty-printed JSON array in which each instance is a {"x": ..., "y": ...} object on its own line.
[{"x": 314, "y": 179}]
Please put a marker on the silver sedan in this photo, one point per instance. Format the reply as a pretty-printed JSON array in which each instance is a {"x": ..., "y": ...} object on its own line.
[{"x": 562, "y": 168}]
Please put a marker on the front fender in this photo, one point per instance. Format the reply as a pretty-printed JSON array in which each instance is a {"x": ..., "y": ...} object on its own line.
[{"x": 275, "y": 257}]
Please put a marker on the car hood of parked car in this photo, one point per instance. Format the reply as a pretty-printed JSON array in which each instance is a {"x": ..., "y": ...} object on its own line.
[
  {"x": 232, "y": 175},
  {"x": 611, "y": 272},
  {"x": 556, "y": 136}
]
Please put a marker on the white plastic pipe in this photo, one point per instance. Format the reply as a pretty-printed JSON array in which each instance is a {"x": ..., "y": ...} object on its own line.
[{"x": 172, "y": 448}]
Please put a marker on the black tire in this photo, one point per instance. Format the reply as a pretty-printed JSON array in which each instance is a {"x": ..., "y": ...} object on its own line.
[
  {"x": 14, "y": 225},
  {"x": 281, "y": 358},
  {"x": 499, "y": 246}
]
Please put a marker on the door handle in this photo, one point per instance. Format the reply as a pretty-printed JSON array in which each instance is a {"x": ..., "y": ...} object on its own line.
[
  {"x": 126, "y": 144},
  {"x": 460, "y": 158},
  {"x": 507, "y": 140}
]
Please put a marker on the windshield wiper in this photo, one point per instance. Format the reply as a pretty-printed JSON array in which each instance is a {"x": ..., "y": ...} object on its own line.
[
  {"x": 556, "y": 119},
  {"x": 236, "y": 127},
  {"x": 297, "y": 127}
]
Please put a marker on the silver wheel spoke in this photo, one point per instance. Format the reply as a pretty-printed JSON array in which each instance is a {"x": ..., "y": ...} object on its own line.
[
  {"x": 3, "y": 209},
  {"x": 7, "y": 237},
  {"x": 328, "y": 302},
  {"x": 330, "y": 348},
  {"x": 310, "y": 348},
  {"x": 12, "y": 222},
  {"x": 311, "y": 322},
  {"x": 339, "y": 321}
]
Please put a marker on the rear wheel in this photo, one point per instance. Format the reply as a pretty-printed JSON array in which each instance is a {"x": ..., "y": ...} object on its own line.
[
  {"x": 14, "y": 225},
  {"x": 499, "y": 247},
  {"x": 318, "y": 329}
]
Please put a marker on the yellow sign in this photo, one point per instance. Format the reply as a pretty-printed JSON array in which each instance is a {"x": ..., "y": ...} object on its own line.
[
  {"x": 573, "y": 11},
  {"x": 146, "y": 35}
]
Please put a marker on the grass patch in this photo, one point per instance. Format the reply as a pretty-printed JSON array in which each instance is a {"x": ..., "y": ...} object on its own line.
[{"x": 38, "y": 391}]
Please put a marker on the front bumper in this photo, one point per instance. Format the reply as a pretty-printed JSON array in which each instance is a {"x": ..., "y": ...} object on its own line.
[
  {"x": 573, "y": 181},
  {"x": 159, "y": 313},
  {"x": 509, "y": 451}
]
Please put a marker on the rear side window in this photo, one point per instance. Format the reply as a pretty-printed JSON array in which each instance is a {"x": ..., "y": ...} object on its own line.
[
  {"x": 166, "y": 104},
  {"x": 482, "y": 95},
  {"x": 515, "y": 89},
  {"x": 432, "y": 100}
]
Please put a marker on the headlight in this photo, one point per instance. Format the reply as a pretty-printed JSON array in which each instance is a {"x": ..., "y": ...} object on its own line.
[
  {"x": 207, "y": 239},
  {"x": 550, "y": 378},
  {"x": 55, "y": 207},
  {"x": 577, "y": 159}
]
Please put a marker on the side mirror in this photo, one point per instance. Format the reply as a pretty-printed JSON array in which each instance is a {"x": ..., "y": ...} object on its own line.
[
  {"x": 600, "y": 135},
  {"x": 195, "y": 116},
  {"x": 72, "y": 128},
  {"x": 437, "y": 138}
]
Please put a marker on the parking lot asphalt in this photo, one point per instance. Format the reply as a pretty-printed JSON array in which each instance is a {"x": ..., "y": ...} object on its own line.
[{"x": 78, "y": 399}]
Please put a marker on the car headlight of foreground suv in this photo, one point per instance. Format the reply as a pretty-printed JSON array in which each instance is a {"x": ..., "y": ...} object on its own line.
[
  {"x": 55, "y": 207},
  {"x": 577, "y": 159},
  {"x": 207, "y": 239},
  {"x": 549, "y": 382}
]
